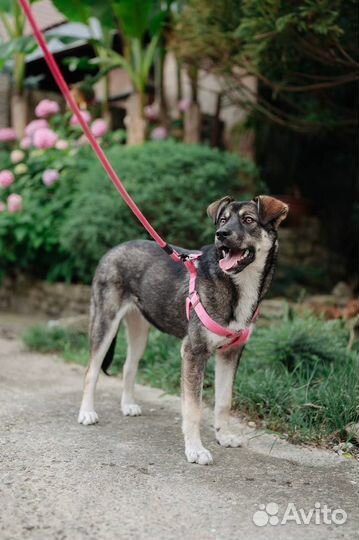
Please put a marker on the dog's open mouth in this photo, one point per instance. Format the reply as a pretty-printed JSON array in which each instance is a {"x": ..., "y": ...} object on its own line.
[{"x": 234, "y": 260}]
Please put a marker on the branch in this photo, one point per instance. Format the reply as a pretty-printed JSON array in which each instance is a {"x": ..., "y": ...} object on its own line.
[
  {"x": 275, "y": 114},
  {"x": 325, "y": 56},
  {"x": 279, "y": 87},
  {"x": 346, "y": 55}
]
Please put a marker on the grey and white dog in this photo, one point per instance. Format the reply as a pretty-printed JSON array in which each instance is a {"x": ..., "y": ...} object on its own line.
[{"x": 140, "y": 284}]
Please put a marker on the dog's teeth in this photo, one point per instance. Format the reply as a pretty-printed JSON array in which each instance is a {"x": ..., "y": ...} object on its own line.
[
  {"x": 223, "y": 253},
  {"x": 246, "y": 253}
]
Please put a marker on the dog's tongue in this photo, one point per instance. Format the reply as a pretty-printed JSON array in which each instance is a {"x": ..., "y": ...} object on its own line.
[{"x": 229, "y": 261}]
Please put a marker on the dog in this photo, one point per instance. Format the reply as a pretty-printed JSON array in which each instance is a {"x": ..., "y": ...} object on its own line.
[{"x": 138, "y": 283}]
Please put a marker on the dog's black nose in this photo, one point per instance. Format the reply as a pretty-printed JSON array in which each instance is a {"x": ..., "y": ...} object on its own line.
[{"x": 223, "y": 233}]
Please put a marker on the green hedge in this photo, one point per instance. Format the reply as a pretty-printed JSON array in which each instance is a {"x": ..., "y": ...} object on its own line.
[
  {"x": 63, "y": 231},
  {"x": 171, "y": 182}
]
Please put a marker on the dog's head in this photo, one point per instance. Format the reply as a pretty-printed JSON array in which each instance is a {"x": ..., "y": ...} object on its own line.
[{"x": 243, "y": 229}]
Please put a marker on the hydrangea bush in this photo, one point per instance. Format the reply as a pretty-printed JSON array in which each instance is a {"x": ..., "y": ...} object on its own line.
[
  {"x": 37, "y": 182},
  {"x": 49, "y": 146}
]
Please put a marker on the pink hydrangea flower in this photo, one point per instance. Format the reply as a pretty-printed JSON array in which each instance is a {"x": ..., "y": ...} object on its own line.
[
  {"x": 14, "y": 203},
  {"x": 61, "y": 144},
  {"x": 2, "y": 206},
  {"x": 184, "y": 104},
  {"x": 151, "y": 111},
  {"x": 159, "y": 133},
  {"x": 85, "y": 115},
  {"x": 21, "y": 168},
  {"x": 34, "y": 126},
  {"x": 7, "y": 135},
  {"x": 99, "y": 127},
  {"x": 6, "y": 178},
  {"x": 16, "y": 156},
  {"x": 46, "y": 108},
  {"x": 25, "y": 143},
  {"x": 44, "y": 138},
  {"x": 50, "y": 176}
]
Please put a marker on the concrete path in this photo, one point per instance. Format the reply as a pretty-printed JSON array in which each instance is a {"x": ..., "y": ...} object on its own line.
[{"x": 127, "y": 478}]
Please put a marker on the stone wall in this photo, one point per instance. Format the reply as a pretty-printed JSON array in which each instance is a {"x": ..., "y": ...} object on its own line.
[
  {"x": 24, "y": 295},
  {"x": 304, "y": 255},
  {"x": 303, "y": 244}
]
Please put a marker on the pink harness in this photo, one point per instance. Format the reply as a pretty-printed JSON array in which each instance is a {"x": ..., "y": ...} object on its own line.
[{"x": 237, "y": 338}]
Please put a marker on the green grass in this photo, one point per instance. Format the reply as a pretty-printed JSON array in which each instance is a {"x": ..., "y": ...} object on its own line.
[
  {"x": 73, "y": 346},
  {"x": 298, "y": 377}
]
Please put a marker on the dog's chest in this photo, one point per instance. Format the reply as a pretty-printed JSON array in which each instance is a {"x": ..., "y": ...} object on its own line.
[{"x": 248, "y": 284}]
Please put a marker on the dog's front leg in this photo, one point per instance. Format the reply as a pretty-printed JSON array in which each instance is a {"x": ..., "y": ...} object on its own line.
[
  {"x": 226, "y": 368},
  {"x": 193, "y": 366}
]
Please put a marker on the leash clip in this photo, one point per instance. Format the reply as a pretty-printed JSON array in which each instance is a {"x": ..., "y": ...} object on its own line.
[{"x": 185, "y": 257}]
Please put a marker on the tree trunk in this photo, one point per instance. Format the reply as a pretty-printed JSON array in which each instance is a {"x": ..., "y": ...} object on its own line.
[
  {"x": 105, "y": 106},
  {"x": 216, "y": 124},
  {"x": 179, "y": 68},
  {"x": 19, "y": 113},
  {"x": 136, "y": 124},
  {"x": 192, "y": 124},
  {"x": 192, "y": 117},
  {"x": 160, "y": 90}
]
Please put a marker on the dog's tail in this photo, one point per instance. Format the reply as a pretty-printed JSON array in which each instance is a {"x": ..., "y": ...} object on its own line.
[{"x": 107, "y": 361}]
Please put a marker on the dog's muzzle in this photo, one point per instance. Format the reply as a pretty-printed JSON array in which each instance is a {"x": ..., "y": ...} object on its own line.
[{"x": 235, "y": 260}]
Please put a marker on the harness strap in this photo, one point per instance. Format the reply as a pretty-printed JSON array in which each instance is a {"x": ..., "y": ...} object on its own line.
[{"x": 240, "y": 337}]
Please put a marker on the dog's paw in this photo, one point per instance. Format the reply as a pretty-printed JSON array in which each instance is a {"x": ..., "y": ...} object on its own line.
[
  {"x": 229, "y": 439},
  {"x": 87, "y": 418},
  {"x": 199, "y": 455},
  {"x": 131, "y": 409}
]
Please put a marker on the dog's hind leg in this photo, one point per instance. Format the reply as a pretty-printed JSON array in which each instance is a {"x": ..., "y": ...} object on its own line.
[
  {"x": 193, "y": 366},
  {"x": 137, "y": 332},
  {"x": 226, "y": 368},
  {"x": 103, "y": 329}
]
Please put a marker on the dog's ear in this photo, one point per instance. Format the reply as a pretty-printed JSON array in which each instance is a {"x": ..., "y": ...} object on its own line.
[
  {"x": 216, "y": 207},
  {"x": 271, "y": 210}
]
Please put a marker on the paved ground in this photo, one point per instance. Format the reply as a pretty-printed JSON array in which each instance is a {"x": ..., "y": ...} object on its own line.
[{"x": 127, "y": 478}]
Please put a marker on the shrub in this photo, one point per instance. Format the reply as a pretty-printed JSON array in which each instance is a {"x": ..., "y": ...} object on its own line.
[
  {"x": 37, "y": 182},
  {"x": 29, "y": 238},
  {"x": 171, "y": 182},
  {"x": 59, "y": 212}
]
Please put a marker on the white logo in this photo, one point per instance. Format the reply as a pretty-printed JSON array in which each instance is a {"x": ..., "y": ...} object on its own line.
[{"x": 268, "y": 514}]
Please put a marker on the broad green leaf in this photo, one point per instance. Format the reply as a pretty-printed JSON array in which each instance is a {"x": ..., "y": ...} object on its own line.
[
  {"x": 74, "y": 10},
  {"x": 8, "y": 5},
  {"x": 83, "y": 10},
  {"x": 149, "y": 56},
  {"x": 134, "y": 16}
]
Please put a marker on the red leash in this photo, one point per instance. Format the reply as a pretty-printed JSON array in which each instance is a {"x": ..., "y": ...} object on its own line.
[
  {"x": 237, "y": 338},
  {"x": 51, "y": 62}
]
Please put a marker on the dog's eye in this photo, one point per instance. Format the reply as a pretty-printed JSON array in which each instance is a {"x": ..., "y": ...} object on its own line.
[
  {"x": 248, "y": 220},
  {"x": 222, "y": 221}
]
